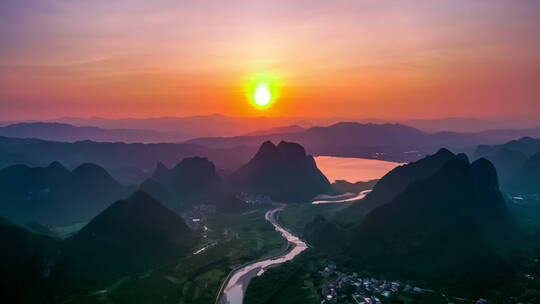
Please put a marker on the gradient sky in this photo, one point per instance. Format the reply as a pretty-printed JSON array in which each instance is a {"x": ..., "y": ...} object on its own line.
[{"x": 386, "y": 59}]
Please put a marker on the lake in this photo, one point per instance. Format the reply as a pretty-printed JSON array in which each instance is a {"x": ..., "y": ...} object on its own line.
[{"x": 353, "y": 169}]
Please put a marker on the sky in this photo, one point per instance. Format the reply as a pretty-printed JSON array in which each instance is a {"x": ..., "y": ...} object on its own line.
[{"x": 384, "y": 59}]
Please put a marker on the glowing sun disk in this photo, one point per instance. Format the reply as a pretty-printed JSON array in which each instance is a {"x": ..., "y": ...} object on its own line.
[{"x": 262, "y": 96}]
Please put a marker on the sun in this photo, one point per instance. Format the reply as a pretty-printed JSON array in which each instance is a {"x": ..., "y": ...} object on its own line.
[
  {"x": 262, "y": 95},
  {"x": 262, "y": 90}
]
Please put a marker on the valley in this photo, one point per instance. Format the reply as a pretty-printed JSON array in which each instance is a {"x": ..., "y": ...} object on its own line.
[
  {"x": 189, "y": 235},
  {"x": 269, "y": 152},
  {"x": 234, "y": 289}
]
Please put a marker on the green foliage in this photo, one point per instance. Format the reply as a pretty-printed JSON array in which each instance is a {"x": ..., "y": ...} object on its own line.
[
  {"x": 293, "y": 282},
  {"x": 296, "y": 216},
  {"x": 196, "y": 279}
]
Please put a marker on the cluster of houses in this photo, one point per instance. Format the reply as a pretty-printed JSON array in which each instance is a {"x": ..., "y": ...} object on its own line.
[
  {"x": 339, "y": 287},
  {"x": 193, "y": 218},
  {"x": 254, "y": 199}
]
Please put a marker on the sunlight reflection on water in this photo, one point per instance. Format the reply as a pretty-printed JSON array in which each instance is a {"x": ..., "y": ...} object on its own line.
[{"x": 353, "y": 169}]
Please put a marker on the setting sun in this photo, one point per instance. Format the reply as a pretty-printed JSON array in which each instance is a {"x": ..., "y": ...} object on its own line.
[
  {"x": 262, "y": 90},
  {"x": 262, "y": 95}
]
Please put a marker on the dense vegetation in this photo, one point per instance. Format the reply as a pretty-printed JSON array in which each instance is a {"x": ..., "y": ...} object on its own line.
[{"x": 292, "y": 282}]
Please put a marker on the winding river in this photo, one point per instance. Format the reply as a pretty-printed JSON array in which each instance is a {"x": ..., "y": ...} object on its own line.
[
  {"x": 342, "y": 198},
  {"x": 233, "y": 292}
]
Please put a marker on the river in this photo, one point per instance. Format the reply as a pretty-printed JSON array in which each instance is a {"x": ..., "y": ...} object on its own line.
[
  {"x": 342, "y": 198},
  {"x": 233, "y": 293}
]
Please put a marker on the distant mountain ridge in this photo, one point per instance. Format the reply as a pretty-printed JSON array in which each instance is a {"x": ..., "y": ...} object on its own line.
[
  {"x": 512, "y": 159},
  {"x": 36, "y": 152},
  {"x": 241, "y": 125},
  {"x": 69, "y": 133},
  {"x": 393, "y": 142},
  {"x": 277, "y": 130},
  {"x": 527, "y": 178},
  {"x": 199, "y": 126}
]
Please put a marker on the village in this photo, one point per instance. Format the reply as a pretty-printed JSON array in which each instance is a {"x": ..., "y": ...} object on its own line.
[{"x": 341, "y": 288}]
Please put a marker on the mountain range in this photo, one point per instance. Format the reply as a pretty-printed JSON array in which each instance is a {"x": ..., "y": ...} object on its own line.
[
  {"x": 198, "y": 126},
  {"x": 55, "y": 195},
  {"x": 394, "y": 182},
  {"x": 193, "y": 180},
  {"x": 452, "y": 226},
  {"x": 127, "y": 161},
  {"x": 223, "y": 125},
  {"x": 393, "y": 142},
  {"x": 69, "y": 133},
  {"x": 527, "y": 179},
  {"x": 518, "y": 164},
  {"x": 129, "y": 237},
  {"x": 444, "y": 221},
  {"x": 25, "y": 264},
  {"x": 277, "y": 130}
]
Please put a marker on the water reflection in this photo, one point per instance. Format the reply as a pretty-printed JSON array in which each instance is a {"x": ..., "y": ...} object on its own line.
[
  {"x": 353, "y": 169},
  {"x": 342, "y": 198}
]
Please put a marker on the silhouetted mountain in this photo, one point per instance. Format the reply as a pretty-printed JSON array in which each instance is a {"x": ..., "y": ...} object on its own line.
[
  {"x": 54, "y": 195},
  {"x": 393, "y": 183},
  {"x": 35, "y": 152},
  {"x": 455, "y": 124},
  {"x": 527, "y": 178},
  {"x": 525, "y": 145},
  {"x": 394, "y": 142},
  {"x": 129, "y": 237},
  {"x": 199, "y": 126},
  {"x": 338, "y": 137},
  {"x": 452, "y": 227},
  {"x": 161, "y": 172},
  {"x": 193, "y": 180},
  {"x": 65, "y": 132},
  {"x": 128, "y": 175},
  {"x": 132, "y": 235},
  {"x": 277, "y": 130},
  {"x": 474, "y": 125},
  {"x": 156, "y": 190},
  {"x": 283, "y": 172},
  {"x": 26, "y": 260},
  {"x": 509, "y": 158}
]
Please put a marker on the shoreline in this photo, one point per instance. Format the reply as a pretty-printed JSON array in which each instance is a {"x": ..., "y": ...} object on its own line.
[{"x": 293, "y": 243}]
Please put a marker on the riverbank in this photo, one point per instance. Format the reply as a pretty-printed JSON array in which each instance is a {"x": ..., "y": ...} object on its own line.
[
  {"x": 341, "y": 198},
  {"x": 233, "y": 292}
]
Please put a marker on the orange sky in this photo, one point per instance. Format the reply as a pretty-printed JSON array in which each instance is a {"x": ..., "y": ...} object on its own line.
[{"x": 386, "y": 59}]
